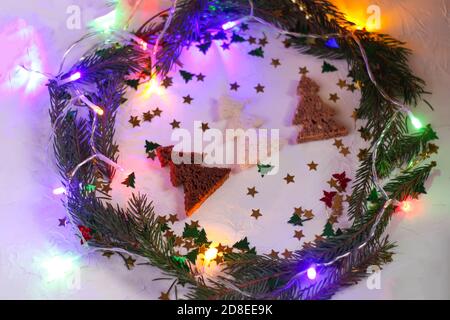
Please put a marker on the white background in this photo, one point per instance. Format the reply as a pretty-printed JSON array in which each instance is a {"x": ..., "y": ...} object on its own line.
[{"x": 29, "y": 212}]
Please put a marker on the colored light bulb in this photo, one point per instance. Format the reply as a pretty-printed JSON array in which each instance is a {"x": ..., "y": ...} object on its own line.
[
  {"x": 75, "y": 76},
  {"x": 311, "y": 273},
  {"x": 415, "y": 121},
  {"x": 229, "y": 25},
  {"x": 59, "y": 191}
]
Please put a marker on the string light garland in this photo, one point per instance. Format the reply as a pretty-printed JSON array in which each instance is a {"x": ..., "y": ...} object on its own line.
[{"x": 313, "y": 270}]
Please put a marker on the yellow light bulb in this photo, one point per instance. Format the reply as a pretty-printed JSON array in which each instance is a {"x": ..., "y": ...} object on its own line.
[{"x": 211, "y": 254}]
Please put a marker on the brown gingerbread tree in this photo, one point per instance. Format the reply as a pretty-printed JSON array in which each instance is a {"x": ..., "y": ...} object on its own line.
[
  {"x": 199, "y": 182},
  {"x": 314, "y": 117}
]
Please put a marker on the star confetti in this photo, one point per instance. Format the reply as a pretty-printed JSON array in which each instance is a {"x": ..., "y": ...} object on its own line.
[
  {"x": 148, "y": 116},
  {"x": 252, "y": 192},
  {"x": 62, "y": 222},
  {"x": 263, "y": 41},
  {"x": 351, "y": 87},
  {"x": 342, "y": 179},
  {"x": 345, "y": 151},
  {"x": 259, "y": 88},
  {"x": 299, "y": 235},
  {"x": 289, "y": 179},
  {"x": 328, "y": 198},
  {"x": 256, "y": 213},
  {"x": 338, "y": 143},
  {"x": 187, "y": 99},
  {"x": 334, "y": 97},
  {"x": 234, "y": 86},
  {"x": 287, "y": 254},
  {"x": 304, "y": 71},
  {"x": 134, "y": 121},
  {"x": 275, "y": 63},
  {"x": 251, "y": 40},
  {"x": 167, "y": 82},
  {"x": 287, "y": 43},
  {"x": 308, "y": 214},
  {"x": 312, "y": 166},
  {"x": 204, "y": 126},
  {"x": 273, "y": 254},
  {"x": 173, "y": 218},
  {"x": 129, "y": 262},
  {"x": 157, "y": 112},
  {"x": 200, "y": 77},
  {"x": 175, "y": 124},
  {"x": 363, "y": 154},
  {"x": 130, "y": 181},
  {"x": 342, "y": 83}
]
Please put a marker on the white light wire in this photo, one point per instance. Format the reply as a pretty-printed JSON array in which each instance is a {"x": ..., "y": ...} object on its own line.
[{"x": 402, "y": 108}]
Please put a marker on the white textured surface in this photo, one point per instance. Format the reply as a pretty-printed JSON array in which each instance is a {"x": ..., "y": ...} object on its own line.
[{"x": 29, "y": 212}]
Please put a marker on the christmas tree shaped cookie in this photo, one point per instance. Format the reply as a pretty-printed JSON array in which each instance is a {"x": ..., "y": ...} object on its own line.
[
  {"x": 314, "y": 117},
  {"x": 199, "y": 182}
]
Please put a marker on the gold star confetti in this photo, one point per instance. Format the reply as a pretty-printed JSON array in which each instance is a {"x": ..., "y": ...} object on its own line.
[
  {"x": 304, "y": 71},
  {"x": 263, "y": 41},
  {"x": 167, "y": 82},
  {"x": 273, "y": 254},
  {"x": 178, "y": 242},
  {"x": 173, "y": 218},
  {"x": 287, "y": 254},
  {"x": 189, "y": 245},
  {"x": 276, "y": 63},
  {"x": 363, "y": 154},
  {"x": 168, "y": 234},
  {"x": 205, "y": 126},
  {"x": 333, "y": 183},
  {"x": 338, "y": 143},
  {"x": 175, "y": 124},
  {"x": 259, "y": 88},
  {"x": 234, "y": 86},
  {"x": 157, "y": 112},
  {"x": 312, "y": 166},
  {"x": 194, "y": 224},
  {"x": 309, "y": 214},
  {"x": 161, "y": 219},
  {"x": 289, "y": 179},
  {"x": 200, "y": 77},
  {"x": 164, "y": 296},
  {"x": 129, "y": 262},
  {"x": 202, "y": 249},
  {"x": 218, "y": 259},
  {"x": 108, "y": 254},
  {"x": 135, "y": 122},
  {"x": 298, "y": 211},
  {"x": 252, "y": 40},
  {"x": 432, "y": 148},
  {"x": 148, "y": 116},
  {"x": 345, "y": 151},
  {"x": 307, "y": 245},
  {"x": 342, "y": 83},
  {"x": 351, "y": 87},
  {"x": 334, "y": 97},
  {"x": 256, "y": 213},
  {"x": 221, "y": 248},
  {"x": 299, "y": 235},
  {"x": 188, "y": 99},
  {"x": 365, "y": 133},
  {"x": 252, "y": 192},
  {"x": 319, "y": 238}
]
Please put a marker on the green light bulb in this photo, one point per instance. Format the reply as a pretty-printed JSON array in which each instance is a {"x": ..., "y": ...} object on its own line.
[{"x": 416, "y": 122}]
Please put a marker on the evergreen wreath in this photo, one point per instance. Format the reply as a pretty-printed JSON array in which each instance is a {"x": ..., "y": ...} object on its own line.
[{"x": 341, "y": 260}]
